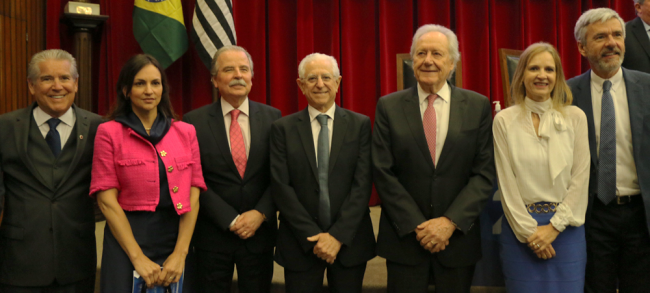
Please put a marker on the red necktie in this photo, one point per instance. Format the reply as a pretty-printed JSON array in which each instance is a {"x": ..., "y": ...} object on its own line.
[
  {"x": 237, "y": 146},
  {"x": 430, "y": 126}
]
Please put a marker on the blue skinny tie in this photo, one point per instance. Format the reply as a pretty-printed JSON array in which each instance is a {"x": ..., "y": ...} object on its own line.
[
  {"x": 323, "y": 166},
  {"x": 53, "y": 138},
  {"x": 607, "y": 153}
]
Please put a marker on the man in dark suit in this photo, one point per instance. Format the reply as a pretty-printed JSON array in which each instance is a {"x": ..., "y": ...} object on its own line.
[
  {"x": 433, "y": 162},
  {"x": 321, "y": 183},
  {"x": 47, "y": 236},
  {"x": 637, "y": 39},
  {"x": 237, "y": 224},
  {"x": 615, "y": 102}
]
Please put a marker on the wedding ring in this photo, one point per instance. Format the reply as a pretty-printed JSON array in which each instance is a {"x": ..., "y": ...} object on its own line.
[
  {"x": 171, "y": 278},
  {"x": 433, "y": 243},
  {"x": 537, "y": 245},
  {"x": 534, "y": 244}
]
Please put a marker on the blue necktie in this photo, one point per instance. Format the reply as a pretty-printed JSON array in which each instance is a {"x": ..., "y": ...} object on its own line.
[
  {"x": 323, "y": 166},
  {"x": 607, "y": 153},
  {"x": 53, "y": 138}
]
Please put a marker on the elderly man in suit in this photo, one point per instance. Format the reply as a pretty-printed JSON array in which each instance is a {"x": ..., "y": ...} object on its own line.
[
  {"x": 47, "y": 236},
  {"x": 237, "y": 224},
  {"x": 637, "y": 39},
  {"x": 433, "y": 162},
  {"x": 321, "y": 183},
  {"x": 615, "y": 101}
]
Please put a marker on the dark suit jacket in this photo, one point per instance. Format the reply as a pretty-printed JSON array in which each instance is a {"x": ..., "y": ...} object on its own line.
[
  {"x": 637, "y": 46},
  {"x": 413, "y": 191},
  {"x": 228, "y": 194},
  {"x": 295, "y": 189},
  {"x": 48, "y": 231},
  {"x": 637, "y": 85}
]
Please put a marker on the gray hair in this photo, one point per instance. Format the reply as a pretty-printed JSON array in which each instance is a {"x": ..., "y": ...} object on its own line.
[
  {"x": 451, "y": 39},
  {"x": 33, "y": 69},
  {"x": 639, "y": 1},
  {"x": 591, "y": 16},
  {"x": 317, "y": 56},
  {"x": 214, "y": 66}
]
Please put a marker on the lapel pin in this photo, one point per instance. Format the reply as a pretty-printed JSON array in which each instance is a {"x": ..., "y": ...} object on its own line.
[{"x": 81, "y": 137}]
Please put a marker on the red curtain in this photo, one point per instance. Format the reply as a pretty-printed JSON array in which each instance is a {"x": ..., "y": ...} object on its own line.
[{"x": 364, "y": 35}]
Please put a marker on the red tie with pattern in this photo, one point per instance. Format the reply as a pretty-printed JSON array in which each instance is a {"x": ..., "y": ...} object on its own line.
[
  {"x": 430, "y": 126},
  {"x": 237, "y": 146}
]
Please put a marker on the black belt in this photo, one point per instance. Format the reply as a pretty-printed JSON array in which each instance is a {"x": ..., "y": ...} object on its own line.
[{"x": 625, "y": 199}]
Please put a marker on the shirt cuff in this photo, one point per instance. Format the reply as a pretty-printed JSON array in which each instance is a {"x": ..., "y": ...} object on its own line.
[{"x": 233, "y": 221}]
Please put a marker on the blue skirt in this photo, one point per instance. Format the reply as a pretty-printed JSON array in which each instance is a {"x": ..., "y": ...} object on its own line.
[{"x": 525, "y": 272}]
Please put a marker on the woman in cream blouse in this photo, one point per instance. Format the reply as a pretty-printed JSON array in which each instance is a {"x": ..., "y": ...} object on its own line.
[{"x": 542, "y": 157}]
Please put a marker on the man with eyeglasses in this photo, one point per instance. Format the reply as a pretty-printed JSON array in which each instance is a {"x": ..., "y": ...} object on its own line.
[{"x": 321, "y": 183}]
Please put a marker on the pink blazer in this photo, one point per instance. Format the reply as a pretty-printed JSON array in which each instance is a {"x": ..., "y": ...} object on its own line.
[{"x": 124, "y": 160}]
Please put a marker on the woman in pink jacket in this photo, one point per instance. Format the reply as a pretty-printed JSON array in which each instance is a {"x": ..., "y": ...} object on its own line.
[{"x": 147, "y": 178}]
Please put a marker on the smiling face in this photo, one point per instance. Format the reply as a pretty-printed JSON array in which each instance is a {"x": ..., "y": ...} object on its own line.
[
  {"x": 234, "y": 77},
  {"x": 539, "y": 77},
  {"x": 146, "y": 90},
  {"x": 604, "y": 47},
  {"x": 54, "y": 89},
  {"x": 319, "y": 85},
  {"x": 432, "y": 62}
]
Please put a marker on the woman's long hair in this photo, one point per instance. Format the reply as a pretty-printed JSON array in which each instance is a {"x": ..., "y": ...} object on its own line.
[
  {"x": 561, "y": 94},
  {"x": 130, "y": 69}
]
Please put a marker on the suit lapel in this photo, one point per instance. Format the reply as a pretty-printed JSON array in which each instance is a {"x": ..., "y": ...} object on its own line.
[
  {"x": 635, "y": 104},
  {"x": 639, "y": 32},
  {"x": 218, "y": 128},
  {"x": 457, "y": 105},
  {"x": 340, "y": 128},
  {"x": 21, "y": 131},
  {"x": 254, "y": 156},
  {"x": 307, "y": 139},
  {"x": 411, "y": 109},
  {"x": 83, "y": 125},
  {"x": 582, "y": 99}
]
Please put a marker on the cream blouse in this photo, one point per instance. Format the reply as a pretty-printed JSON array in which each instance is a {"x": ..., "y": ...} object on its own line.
[{"x": 553, "y": 167}]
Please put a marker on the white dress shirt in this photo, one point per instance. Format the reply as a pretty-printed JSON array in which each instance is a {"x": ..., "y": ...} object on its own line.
[
  {"x": 627, "y": 183},
  {"x": 315, "y": 125},
  {"x": 551, "y": 167},
  {"x": 243, "y": 119},
  {"x": 64, "y": 128},
  {"x": 442, "y": 107}
]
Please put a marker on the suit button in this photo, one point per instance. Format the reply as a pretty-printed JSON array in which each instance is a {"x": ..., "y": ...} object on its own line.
[
  {"x": 170, "y": 169},
  {"x": 175, "y": 189},
  {"x": 179, "y": 206}
]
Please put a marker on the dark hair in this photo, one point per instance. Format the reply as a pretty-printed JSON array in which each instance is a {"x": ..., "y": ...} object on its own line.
[{"x": 130, "y": 69}]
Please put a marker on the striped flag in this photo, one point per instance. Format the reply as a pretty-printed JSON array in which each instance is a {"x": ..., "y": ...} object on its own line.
[
  {"x": 159, "y": 29},
  {"x": 212, "y": 28}
]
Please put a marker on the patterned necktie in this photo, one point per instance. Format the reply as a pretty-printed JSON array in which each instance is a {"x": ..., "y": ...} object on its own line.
[
  {"x": 323, "y": 170},
  {"x": 53, "y": 138},
  {"x": 237, "y": 146},
  {"x": 430, "y": 126},
  {"x": 607, "y": 153}
]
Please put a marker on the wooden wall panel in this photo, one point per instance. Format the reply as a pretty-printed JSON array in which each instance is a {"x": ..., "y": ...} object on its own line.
[{"x": 22, "y": 34}]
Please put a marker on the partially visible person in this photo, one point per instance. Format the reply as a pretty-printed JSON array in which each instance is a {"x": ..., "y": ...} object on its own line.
[
  {"x": 238, "y": 223},
  {"x": 637, "y": 39},
  {"x": 147, "y": 178},
  {"x": 541, "y": 151},
  {"x": 615, "y": 101},
  {"x": 321, "y": 183},
  {"x": 434, "y": 169},
  {"x": 47, "y": 236}
]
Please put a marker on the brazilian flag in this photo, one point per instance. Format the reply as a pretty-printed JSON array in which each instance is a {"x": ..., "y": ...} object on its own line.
[{"x": 159, "y": 29}]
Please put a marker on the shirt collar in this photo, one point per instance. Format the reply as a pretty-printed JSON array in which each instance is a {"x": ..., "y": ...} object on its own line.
[
  {"x": 41, "y": 117},
  {"x": 313, "y": 112},
  {"x": 444, "y": 93},
  {"x": 597, "y": 81},
  {"x": 227, "y": 107}
]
